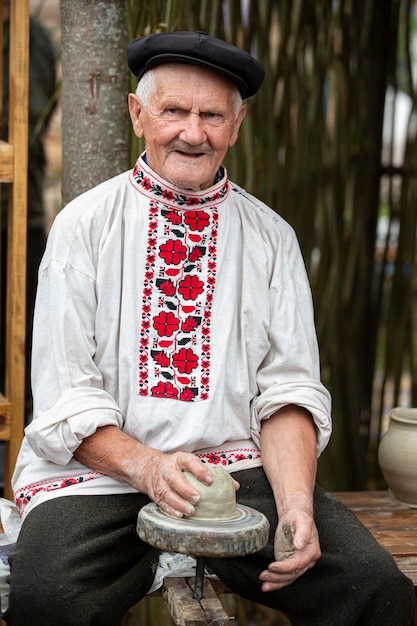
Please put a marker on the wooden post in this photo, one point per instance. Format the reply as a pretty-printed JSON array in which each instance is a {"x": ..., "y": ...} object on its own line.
[{"x": 16, "y": 244}]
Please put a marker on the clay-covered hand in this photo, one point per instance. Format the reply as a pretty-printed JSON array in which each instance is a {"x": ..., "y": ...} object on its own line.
[
  {"x": 111, "y": 451},
  {"x": 163, "y": 480},
  {"x": 297, "y": 549}
]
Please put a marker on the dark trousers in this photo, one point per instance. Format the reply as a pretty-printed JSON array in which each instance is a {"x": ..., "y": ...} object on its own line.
[{"x": 79, "y": 562}]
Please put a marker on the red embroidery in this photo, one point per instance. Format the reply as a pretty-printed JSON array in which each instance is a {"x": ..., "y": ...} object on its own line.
[
  {"x": 180, "y": 278},
  {"x": 185, "y": 360},
  {"x": 167, "y": 287},
  {"x": 174, "y": 358},
  {"x": 161, "y": 358},
  {"x": 173, "y": 252},
  {"x": 197, "y": 220},
  {"x": 227, "y": 457},
  {"x": 165, "y": 390},
  {"x": 191, "y": 287},
  {"x": 166, "y": 324},
  {"x": 23, "y": 496}
]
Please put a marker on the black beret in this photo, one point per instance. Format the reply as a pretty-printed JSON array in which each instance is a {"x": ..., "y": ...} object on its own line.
[{"x": 198, "y": 48}]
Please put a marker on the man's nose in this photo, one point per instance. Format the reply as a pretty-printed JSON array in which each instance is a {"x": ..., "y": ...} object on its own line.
[{"x": 193, "y": 131}]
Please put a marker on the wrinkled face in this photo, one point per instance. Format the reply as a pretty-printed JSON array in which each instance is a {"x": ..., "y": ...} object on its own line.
[{"x": 188, "y": 125}]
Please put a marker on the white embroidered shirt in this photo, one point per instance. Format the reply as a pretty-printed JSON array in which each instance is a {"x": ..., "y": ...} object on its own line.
[{"x": 185, "y": 319}]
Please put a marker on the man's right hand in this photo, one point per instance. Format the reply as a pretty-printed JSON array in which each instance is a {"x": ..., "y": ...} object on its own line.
[
  {"x": 114, "y": 453},
  {"x": 163, "y": 480}
]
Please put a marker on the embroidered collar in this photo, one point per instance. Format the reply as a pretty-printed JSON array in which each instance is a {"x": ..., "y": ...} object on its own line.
[{"x": 156, "y": 188}]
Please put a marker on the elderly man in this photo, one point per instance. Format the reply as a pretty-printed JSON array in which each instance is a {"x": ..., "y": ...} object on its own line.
[{"x": 173, "y": 330}]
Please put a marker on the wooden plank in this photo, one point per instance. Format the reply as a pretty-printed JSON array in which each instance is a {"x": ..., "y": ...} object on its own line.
[
  {"x": 211, "y": 605},
  {"x": 4, "y": 418},
  {"x": 186, "y": 611},
  {"x": 394, "y": 525},
  {"x": 370, "y": 500},
  {"x": 16, "y": 236},
  {"x": 6, "y": 162}
]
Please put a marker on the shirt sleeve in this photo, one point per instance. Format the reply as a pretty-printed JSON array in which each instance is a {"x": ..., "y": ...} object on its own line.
[
  {"x": 290, "y": 373},
  {"x": 70, "y": 402}
]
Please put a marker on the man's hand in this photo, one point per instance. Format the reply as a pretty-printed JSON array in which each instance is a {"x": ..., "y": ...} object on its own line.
[
  {"x": 163, "y": 480},
  {"x": 159, "y": 475},
  {"x": 288, "y": 444},
  {"x": 304, "y": 549}
]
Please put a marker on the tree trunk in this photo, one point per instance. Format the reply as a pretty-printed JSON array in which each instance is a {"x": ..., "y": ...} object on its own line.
[{"x": 95, "y": 124}]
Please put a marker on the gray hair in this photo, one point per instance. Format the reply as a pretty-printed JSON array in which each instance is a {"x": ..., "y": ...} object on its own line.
[{"x": 147, "y": 87}]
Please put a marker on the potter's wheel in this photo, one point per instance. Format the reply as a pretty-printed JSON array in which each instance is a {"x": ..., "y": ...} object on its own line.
[
  {"x": 236, "y": 530},
  {"x": 245, "y": 533}
]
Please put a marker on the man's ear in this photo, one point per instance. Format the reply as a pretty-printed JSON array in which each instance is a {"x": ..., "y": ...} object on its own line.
[
  {"x": 135, "y": 110},
  {"x": 237, "y": 123}
]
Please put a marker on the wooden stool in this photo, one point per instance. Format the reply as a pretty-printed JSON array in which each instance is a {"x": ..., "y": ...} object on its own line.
[{"x": 186, "y": 611}]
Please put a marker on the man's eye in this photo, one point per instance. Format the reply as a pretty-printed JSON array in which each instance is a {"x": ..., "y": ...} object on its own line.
[
  {"x": 173, "y": 112},
  {"x": 214, "y": 119}
]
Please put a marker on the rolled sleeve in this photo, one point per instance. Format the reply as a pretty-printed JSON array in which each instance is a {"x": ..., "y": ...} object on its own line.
[
  {"x": 70, "y": 401},
  {"x": 57, "y": 433},
  {"x": 290, "y": 374},
  {"x": 311, "y": 395}
]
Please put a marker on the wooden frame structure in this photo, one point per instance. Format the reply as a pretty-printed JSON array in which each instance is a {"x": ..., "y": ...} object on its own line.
[{"x": 13, "y": 171}]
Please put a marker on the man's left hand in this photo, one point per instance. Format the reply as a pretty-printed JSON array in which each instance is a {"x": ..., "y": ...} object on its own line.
[{"x": 306, "y": 552}]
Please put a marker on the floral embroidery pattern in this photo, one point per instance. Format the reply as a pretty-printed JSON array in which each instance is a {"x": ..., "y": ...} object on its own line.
[
  {"x": 23, "y": 496},
  {"x": 156, "y": 190},
  {"x": 180, "y": 277},
  {"x": 227, "y": 457}
]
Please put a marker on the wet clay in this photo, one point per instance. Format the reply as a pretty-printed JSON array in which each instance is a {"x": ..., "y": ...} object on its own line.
[
  {"x": 218, "y": 500},
  {"x": 284, "y": 547}
]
